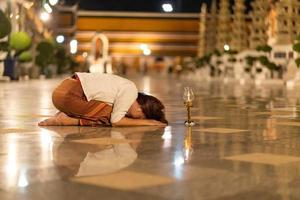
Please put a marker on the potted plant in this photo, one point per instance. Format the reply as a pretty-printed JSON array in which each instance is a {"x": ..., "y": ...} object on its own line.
[
  {"x": 19, "y": 53},
  {"x": 44, "y": 57},
  {"x": 64, "y": 61},
  {"x": 61, "y": 59},
  {"x": 264, "y": 48},
  {"x": 271, "y": 66},
  {"x": 25, "y": 64},
  {"x": 5, "y": 29},
  {"x": 250, "y": 62},
  {"x": 296, "y": 47}
]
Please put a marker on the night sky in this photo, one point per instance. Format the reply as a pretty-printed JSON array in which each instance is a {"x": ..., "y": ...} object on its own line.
[{"x": 141, "y": 5}]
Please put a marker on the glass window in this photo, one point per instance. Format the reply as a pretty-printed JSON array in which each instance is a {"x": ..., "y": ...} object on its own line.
[{"x": 279, "y": 55}]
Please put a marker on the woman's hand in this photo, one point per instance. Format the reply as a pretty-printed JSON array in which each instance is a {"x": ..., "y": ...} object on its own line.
[
  {"x": 156, "y": 123},
  {"x": 125, "y": 121}
]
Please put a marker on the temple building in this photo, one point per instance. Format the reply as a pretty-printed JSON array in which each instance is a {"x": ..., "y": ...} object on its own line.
[
  {"x": 212, "y": 31},
  {"x": 207, "y": 29},
  {"x": 165, "y": 34},
  {"x": 224, "y": 34},
  {"x": 258, "y": 26},
  {"x": 202, "y": 47},
  {"x": 239, "y": 28},
  {"x": 285, "y": 18},
  {"x": 266, "y": 23}
]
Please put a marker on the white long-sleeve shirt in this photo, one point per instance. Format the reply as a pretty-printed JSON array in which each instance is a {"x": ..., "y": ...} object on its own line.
[{"x": 112, "y": 89}]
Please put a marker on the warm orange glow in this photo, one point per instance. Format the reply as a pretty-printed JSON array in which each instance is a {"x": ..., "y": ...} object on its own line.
[{"x": 127, "y": 24}]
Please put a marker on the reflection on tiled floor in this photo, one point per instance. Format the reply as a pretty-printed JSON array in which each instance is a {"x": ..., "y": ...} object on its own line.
[
  {"x": 288, "y": 123},
  {"x": 271, "y": 159},
  {"x": 273, "y": 113},
  {"x": 14, "y": 130},
  {"x": 204, "y": 118},
  {"x": 104, "y": 141},
  {"x": 221, "y": 130},
  {"x": 126, "y": 180},
  {"x": 245, "y": 145}
]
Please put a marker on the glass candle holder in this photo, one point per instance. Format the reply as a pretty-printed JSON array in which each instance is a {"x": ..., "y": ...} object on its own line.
[
  {"x": 188, "y": 97},
  {"x": 188, "y": 94}
]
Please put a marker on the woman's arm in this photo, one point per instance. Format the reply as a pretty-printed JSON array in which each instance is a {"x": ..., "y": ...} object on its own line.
[{"x": 125, "y": 121}]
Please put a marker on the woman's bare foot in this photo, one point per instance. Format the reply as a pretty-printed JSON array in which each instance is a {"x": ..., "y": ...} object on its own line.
[{"x": 60, "y": 119}]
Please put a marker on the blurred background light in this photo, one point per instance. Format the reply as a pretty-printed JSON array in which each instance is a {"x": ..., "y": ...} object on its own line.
[
  {"x": 226, "y": 47},
  {"x": 53, "y": 2},
  {"x": 73, "y": 46},
  {"x": 44, "y": 16},
  {"x": 167, "y": 7},
  {"x": 48, "y": 8},
  {"x": 60, "y": 39},
  {"x": 146, "y": 52}
]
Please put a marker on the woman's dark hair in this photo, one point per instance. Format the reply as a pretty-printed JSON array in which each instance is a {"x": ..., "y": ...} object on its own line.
[{"x": 152, "y": 107}]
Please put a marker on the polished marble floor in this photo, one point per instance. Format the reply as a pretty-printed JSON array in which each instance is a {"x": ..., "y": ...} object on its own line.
[{"x": 246, "y": 145}]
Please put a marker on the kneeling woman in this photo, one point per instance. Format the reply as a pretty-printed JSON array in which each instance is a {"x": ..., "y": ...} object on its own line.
[{"x": 90, "y": 99}]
